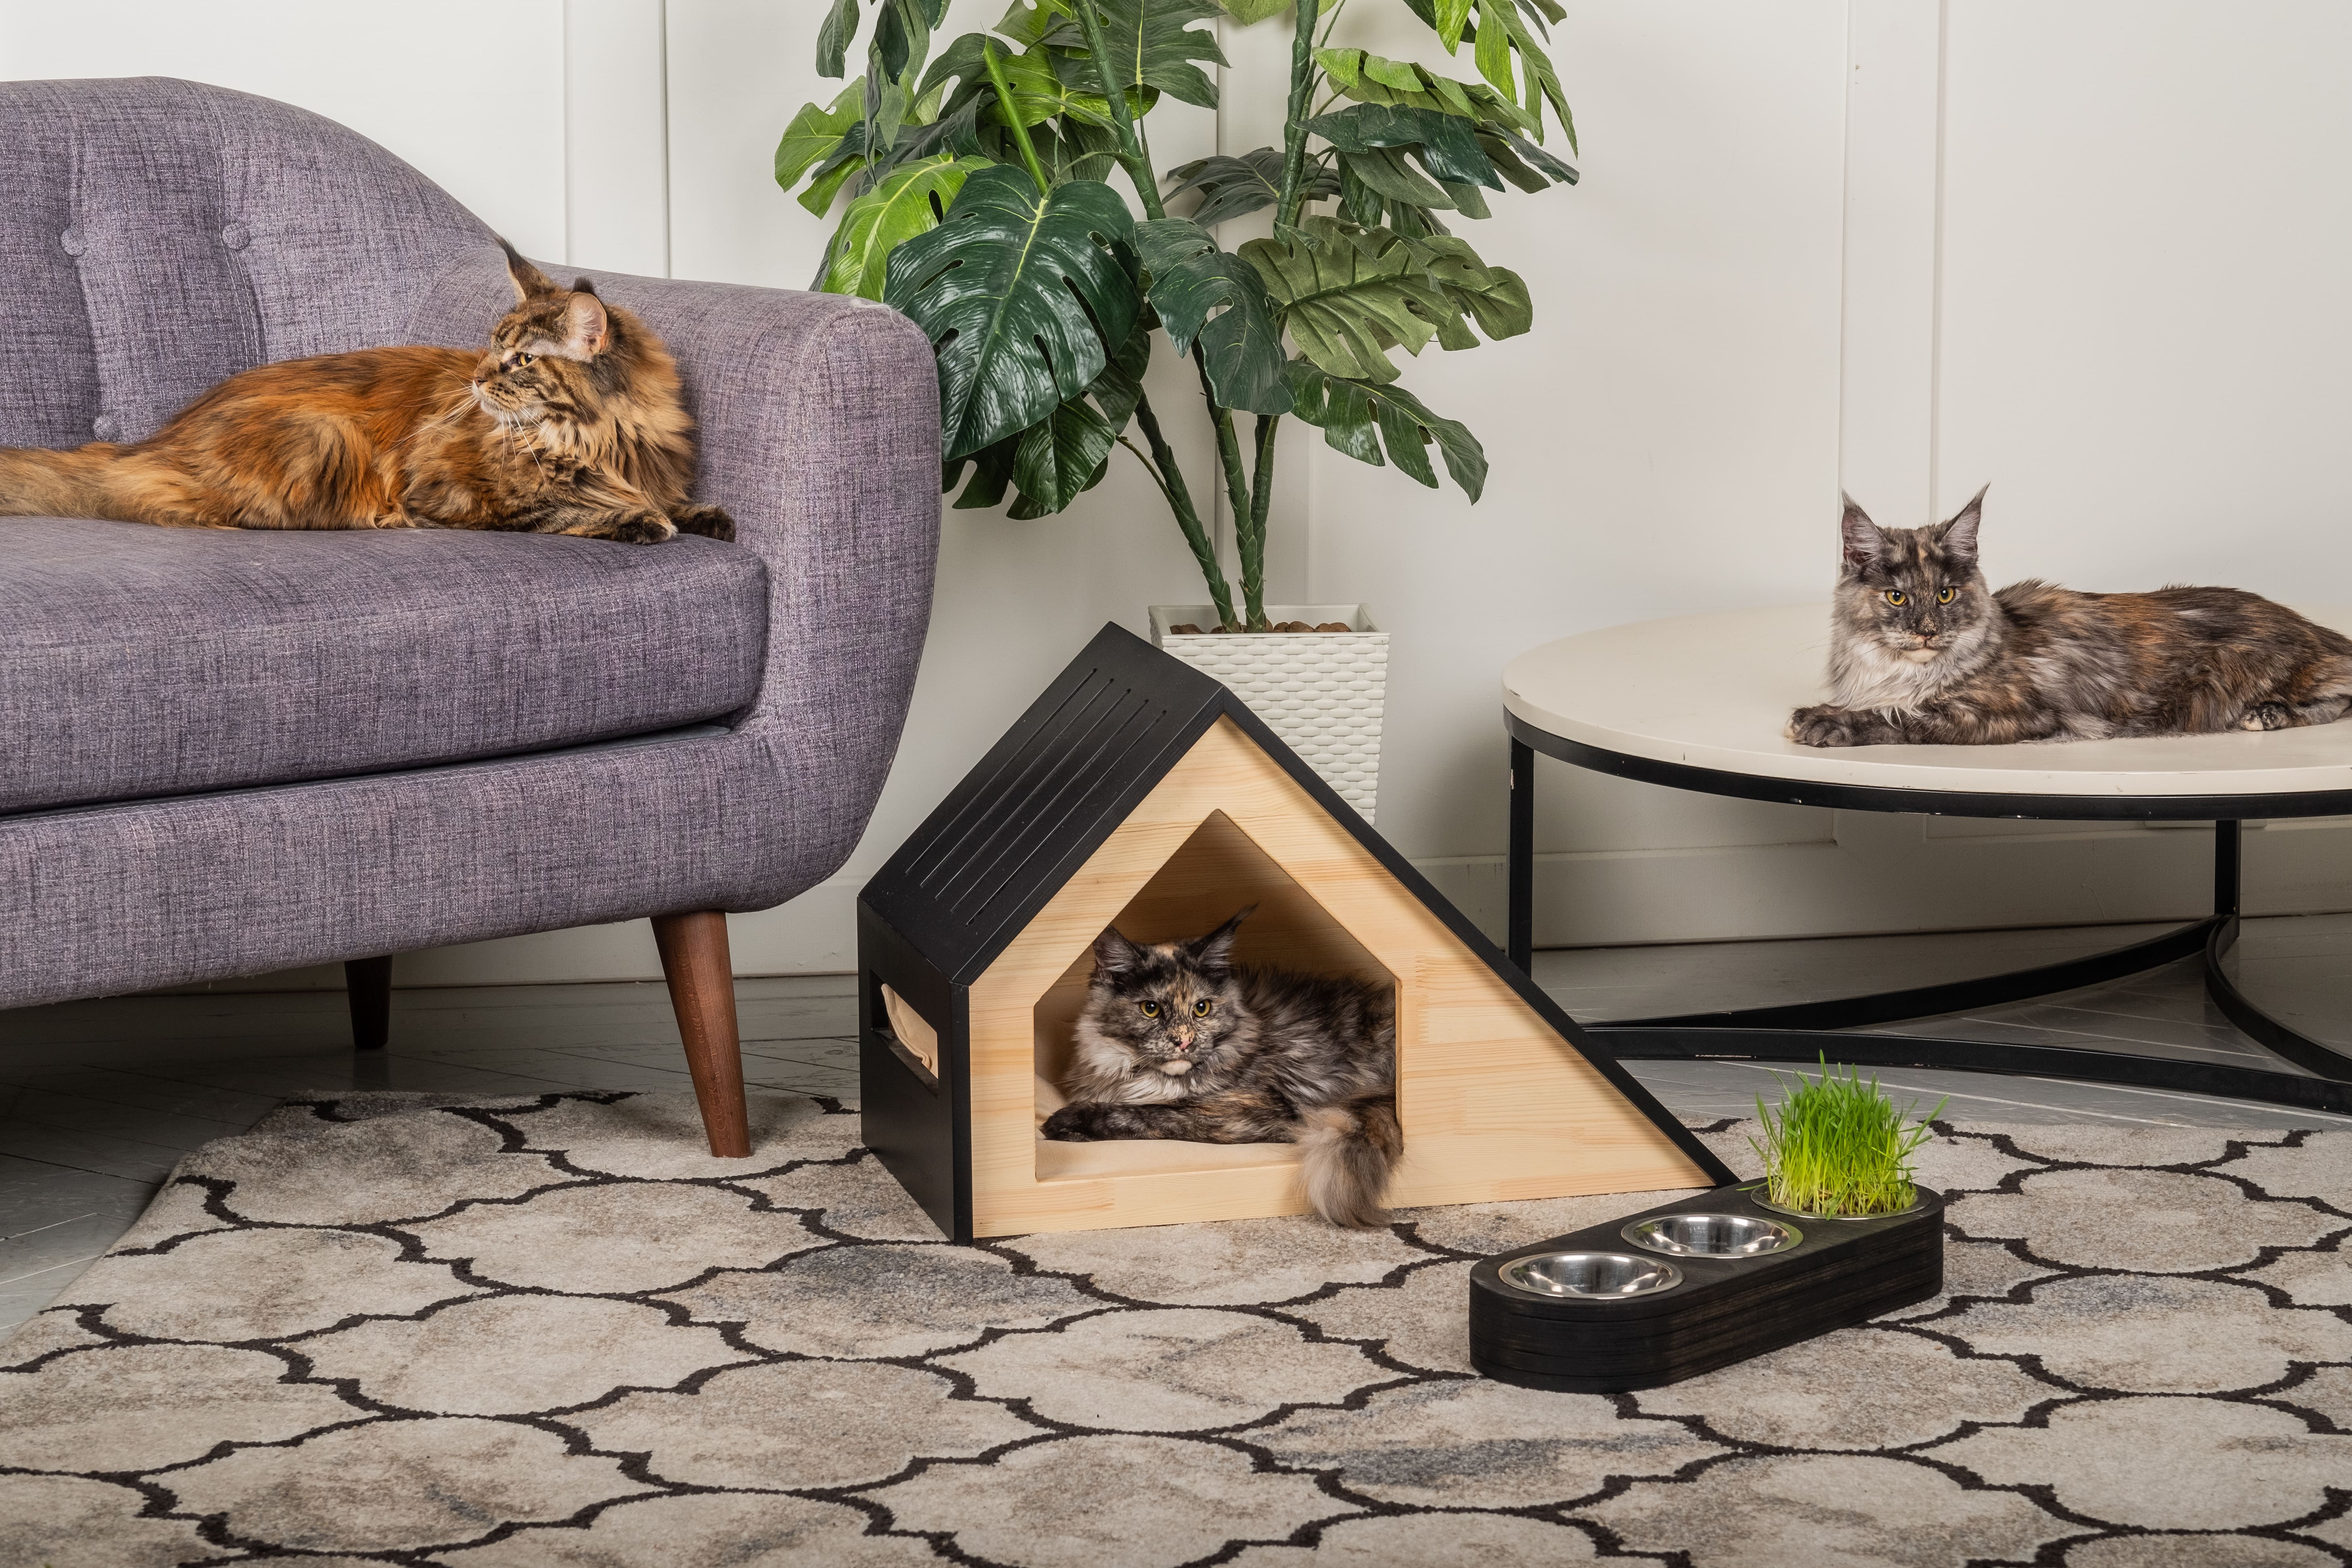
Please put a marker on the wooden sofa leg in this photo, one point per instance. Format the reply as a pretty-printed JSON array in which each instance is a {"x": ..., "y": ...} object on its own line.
[
  {"x": 368, "y": 983},
  {"x": 702, "y": 990}
]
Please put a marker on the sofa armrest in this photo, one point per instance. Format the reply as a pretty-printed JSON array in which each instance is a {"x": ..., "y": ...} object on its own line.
[{"x": 819, "y": 432}]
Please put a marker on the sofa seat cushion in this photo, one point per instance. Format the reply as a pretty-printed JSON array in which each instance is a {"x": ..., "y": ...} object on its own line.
[{"x": 138, "y": 662}]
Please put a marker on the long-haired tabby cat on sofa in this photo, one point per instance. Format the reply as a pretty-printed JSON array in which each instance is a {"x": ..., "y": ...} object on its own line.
[
  {"x": 570, "y": 422},
  {"x": 1922, "y": 651},
  {"x": 1177, "y": 1041}
]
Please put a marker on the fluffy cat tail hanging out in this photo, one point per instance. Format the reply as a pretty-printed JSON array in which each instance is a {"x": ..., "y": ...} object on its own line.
[
  {"x": 1350, "y": 1148},
  {"x": 39, "y": 483}
]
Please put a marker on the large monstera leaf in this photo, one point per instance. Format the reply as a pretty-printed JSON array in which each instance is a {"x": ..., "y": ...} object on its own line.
[
  {"x": 1356, "y": 417},
  {"x": 1494, "y": 297},
  {"x": 1018, "y": 292},
  {"x": 1065, "y": 453},
  {"x": 1212, "y": 295},
  {"x": 814, "y": 134},
  {"x": 1153, "y": 43},
  {"x": 1447, "y": 145},
  {"x": 1350, "y": 295},
  {"x": 908, "y": 202}
]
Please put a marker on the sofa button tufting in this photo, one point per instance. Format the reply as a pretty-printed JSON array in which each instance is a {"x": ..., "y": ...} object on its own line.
[
  {"x": 237, "y": 236},
  {"x": 72, "y": 240},
  {"x": 106, "y": 427}
]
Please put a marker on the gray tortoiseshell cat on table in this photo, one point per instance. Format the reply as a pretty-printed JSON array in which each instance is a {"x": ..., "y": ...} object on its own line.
[
  {"x": 1177, "y": 1041},
  {"x": 1922, "y": 651}
]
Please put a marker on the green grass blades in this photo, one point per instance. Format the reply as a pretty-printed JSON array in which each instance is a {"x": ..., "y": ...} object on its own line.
[{"x": 1838, "y": 1146}]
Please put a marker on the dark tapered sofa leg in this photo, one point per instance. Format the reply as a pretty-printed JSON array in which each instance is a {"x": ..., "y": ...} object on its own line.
[
  {"x": 702, "y": 990},
  {"x": 368, "y": 981}
]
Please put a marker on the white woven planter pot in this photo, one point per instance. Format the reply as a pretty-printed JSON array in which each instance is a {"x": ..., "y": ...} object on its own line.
[{"x": 1323, "y": 693}]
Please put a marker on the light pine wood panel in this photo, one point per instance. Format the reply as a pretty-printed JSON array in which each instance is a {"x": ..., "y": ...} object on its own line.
[{"x": 1494, "y": 1104}]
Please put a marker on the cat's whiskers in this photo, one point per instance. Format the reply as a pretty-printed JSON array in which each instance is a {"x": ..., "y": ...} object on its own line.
[{"x": 513, "y": 437}]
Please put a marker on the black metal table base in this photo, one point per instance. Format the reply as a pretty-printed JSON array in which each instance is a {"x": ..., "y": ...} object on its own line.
[{"x": 1806, "y": 1031}]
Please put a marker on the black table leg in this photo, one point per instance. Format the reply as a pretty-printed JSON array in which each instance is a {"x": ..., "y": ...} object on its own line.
[
  {"x": 2299, "y": 1048},
  {"x": 1521, "y": 866},
  {"x": 2227, "y": 875}
]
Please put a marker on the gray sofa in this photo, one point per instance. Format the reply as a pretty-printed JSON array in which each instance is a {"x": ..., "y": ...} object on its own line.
[{"x": 229, "y": 752}]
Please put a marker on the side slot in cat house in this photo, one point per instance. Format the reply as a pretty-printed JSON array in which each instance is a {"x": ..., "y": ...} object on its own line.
[{"x": 1139, "y": 792}]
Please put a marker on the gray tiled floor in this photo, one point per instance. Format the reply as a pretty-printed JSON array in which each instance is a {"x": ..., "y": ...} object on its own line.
[{"x": 98, "y": 1098}]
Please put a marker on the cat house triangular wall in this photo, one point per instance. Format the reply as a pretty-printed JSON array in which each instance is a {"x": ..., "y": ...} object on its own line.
[{"x": 1141, "y": 792}]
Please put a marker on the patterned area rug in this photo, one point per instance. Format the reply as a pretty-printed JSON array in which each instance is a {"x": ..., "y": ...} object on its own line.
[{"x": 549, "y": 1332}]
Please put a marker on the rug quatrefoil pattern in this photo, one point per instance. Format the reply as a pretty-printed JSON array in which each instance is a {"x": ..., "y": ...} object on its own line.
[{"x": 551, "y": 1333}]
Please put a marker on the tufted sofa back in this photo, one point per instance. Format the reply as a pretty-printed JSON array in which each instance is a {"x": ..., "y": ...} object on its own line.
[{"x": 157, "y": 235}]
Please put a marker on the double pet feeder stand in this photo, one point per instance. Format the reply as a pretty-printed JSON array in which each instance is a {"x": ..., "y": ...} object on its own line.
[{"x": 1692, "y": 1286}]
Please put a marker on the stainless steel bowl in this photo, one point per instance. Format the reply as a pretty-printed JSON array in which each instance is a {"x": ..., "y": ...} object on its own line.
[
  {"x": 1589, "y": 1275},
  {"x": 1711, "y": 1235}
]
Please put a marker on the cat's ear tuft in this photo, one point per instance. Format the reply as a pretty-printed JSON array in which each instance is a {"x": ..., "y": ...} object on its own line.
[
  {"x": 1214, "y": 952},
  {"x": 1115, "y": 955},
  {"x": 586, "y": 328},
  {"x": 1958, "y": 536},
  {"x": 528, "y": 280},
  {"x": 583, "y": 286},
  {"x": 1860, "y": 541}
]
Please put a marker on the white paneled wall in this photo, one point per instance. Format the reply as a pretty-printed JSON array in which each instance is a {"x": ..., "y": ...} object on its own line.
[
  {"x": 469, "y": 92},
  {"x": 2089, "y": 251}
]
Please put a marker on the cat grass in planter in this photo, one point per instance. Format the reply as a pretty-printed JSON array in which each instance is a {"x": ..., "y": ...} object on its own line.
[
  {"x": 1836, "y": 1148},
  {"x": 1839, "y": 1232}
]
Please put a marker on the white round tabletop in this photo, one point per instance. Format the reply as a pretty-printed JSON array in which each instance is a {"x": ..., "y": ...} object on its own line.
[{"x": 1714, "y": 691}]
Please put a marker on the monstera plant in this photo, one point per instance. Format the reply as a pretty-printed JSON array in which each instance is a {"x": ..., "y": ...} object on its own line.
[{"x": 978, "y": 204}]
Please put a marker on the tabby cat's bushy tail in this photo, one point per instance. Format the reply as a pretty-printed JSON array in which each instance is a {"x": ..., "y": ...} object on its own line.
[
  {"x": 1350, "y": 1148},
  {"x": 35, "y": 482}
]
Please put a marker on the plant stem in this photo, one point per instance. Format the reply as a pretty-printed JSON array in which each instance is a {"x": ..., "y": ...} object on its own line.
[
  {"x": 1237, "y": 496},
  {"x": 1131, "y": 146},
  {"x": 1188, "y": 518},
  {"x": 1302, "y": 96},
  {"x": 1013, "y": 116},
  {"x": 1262, "y": 489}
]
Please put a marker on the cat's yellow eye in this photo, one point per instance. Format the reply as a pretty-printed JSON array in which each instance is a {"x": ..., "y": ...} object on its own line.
[
  {"x": 520, "y": 361},
  {"x": 1896, "y": 596},
  {"x": 1202, "y": 1008},
  {"x": 1149, "y": 1009},
  {"x": 1946, "y": 595}
]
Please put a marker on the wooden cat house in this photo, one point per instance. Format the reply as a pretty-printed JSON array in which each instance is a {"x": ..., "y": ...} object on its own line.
[{"x": 1139, "y": 791}]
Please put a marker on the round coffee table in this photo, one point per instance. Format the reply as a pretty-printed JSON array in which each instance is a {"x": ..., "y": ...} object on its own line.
[{"x": 1698, "y": 703}]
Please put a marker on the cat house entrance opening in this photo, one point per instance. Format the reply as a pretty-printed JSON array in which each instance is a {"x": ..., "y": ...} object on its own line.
[{"x": 1216, "y": 871}]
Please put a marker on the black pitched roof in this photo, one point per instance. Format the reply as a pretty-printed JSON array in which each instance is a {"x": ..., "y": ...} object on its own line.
[{"x": 1046, "y": 797}]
